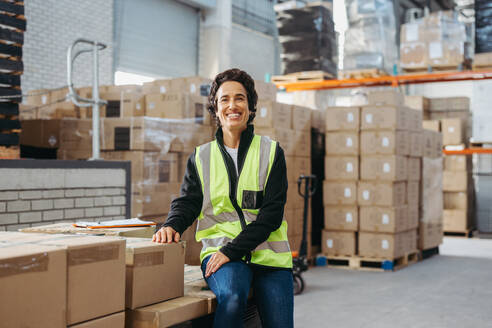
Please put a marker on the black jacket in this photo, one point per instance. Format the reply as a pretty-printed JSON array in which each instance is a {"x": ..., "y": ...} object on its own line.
[{"x": 186, "y": 208}]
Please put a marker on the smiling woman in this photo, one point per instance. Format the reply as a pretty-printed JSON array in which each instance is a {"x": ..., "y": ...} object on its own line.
[{"x": 237, "y": 186}]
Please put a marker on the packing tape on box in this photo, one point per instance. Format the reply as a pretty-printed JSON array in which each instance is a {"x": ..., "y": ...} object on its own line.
[
  {"x": 148, "y": 259},
  {"x": 93, "y": 254},
  {"x": 24, "y": 264}
]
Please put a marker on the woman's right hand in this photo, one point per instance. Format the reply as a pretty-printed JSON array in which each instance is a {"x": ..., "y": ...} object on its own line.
[{"x": 166, "y": 235}]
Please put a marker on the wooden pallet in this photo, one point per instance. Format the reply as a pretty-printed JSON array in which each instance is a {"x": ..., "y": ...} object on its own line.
[
  {"x": 426, "y": 253},
  {"x": 436, "y": 69},
  {"x": 312, "y": 76},
  {"x": 358, "y": 74},
  {"x": 468, "y": 233},
  {"x": 372, "y": 264},
  {"x": 9, "y": 152}
]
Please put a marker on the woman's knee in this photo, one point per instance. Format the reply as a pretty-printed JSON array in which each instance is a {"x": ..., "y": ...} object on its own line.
[{"x": 232, "y": 300}]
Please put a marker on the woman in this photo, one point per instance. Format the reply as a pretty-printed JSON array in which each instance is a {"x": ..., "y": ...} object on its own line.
[{"x": 236, "y": 186}]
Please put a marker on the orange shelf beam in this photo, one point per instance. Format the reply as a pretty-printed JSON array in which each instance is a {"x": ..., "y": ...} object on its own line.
[
  {"x": 386, "y": 80},
  {"x": 468, "y": 151}
]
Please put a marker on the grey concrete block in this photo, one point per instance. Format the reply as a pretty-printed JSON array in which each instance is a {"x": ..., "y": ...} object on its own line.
[
  {"x": 16, "y": 227},
  {"x": 56, "y": 193},
  {"x": 29, "y": 217},
  {"x": 9, "y": 195},
  {"x": 119, "y": 200},
  {"x": 113, "y": 191},
  {"x": 83, "y": 178},
  {"x": 3, "y": 207},
  {"x": 74, "y": 192},
  {"x": 118, "y": 218},
  {"x": 43, "y": 204},
  {"x": 93, "y": 212},
  {"x": 114, "y": 210},
  {"x": 122, "y": 210},
  {"x": 30, "y": 194},
  {"x": 3, "y": 228},
  {"x": 9, "y": 218},
  {"x": 84, "y": 202},
  {"x": 94, "y": 192},
  {"x": 64, "y": 203},
  {"x": 31, "y": 179},
  {"x": 102, "y": 201},
  {"x": 18, "y": 206},
  {"x": 53, "y": 215},
  {"x": 74, "y": 213}
]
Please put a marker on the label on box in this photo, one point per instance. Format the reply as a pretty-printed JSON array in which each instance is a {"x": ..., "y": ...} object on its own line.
[
  {"x": 412, "y": 32},
  {"x": 385, "y": 219},
  {"x": 329, "y": 243},
  {"x": 385, "y": 142},
  {"x": 435, "y": 50},
  {"x": 384, "y": 244},
  {"x": 348, "y": 217},
  {"x": 193, "y": 88},
  {"x": 386, "y": 167},
  {"x": 349, "y": 142},
  {"x": 162, "y": 89},
  {"x": 151, "y": 105},
  {"x": 350, "y": 117},
  {"x": 52, "y": 140},
  {"x": 44, "y": 99},
  {"x": 365, "y": 194},
  {"x": 368, "y": 118},
  {"x": 350, "y": 167},
  {"x": 263, "y": 112},
  {"x": 138, "y": 107},
  {"x": 451, "y": 129},
  {"x": 347, "y": 193}
]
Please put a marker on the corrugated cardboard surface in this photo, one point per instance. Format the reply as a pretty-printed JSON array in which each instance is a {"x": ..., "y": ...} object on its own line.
[
  {"x": 385, "y": 117},
  {"x": 342, "y": 168},
  {"x": 381, "y": 193},
  {"x": 385, "y": 97},
  {"x": 455, "y": 180},
  {"x": 433, "y": 125},
  {"x": 271, "y": 114},
  {"x": 153, "y": 199},
  {"x": 416, "y": 144},
  {"x": 457, "y": 163},
  {"x": 413, "y": 193},
  {"x": 384, "y": 219},
  {"x": 430, "y": 235},
  {"x": 389, "y": 246},
  {"x": 338, "y": 243},
  {"x": 116, "y": 320},
  {"x": 342, "y": 143},
  {"x": 452, "y": 131},
  {"x": 432, "y": 144},
  {"x": 456, "y": 200},
  {"x": 456, "y": 220},
  {"x": 413, "y": 168},
  {"x": 417, "y": 102},
  {"x": 389, "y": 168},
  {"x": 384, "y": 142},
  {"x": 341, "y": 218},
  {"x": 431, "y": 194},
  {"x": 339, "y": 193},
  {"x": 301, "y": 118},
  {"x": 342, "y": 119}
]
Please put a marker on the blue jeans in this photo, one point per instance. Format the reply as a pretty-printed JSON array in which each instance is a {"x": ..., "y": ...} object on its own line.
[{"x": 273, "y": 292}]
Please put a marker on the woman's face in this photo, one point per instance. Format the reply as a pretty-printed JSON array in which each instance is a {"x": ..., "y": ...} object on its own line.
[{"x": 232, "y": 106}]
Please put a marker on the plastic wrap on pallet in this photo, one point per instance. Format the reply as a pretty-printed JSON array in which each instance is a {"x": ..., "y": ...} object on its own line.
[
  {"x": 312, "y": 18},
  {"x": 483, "y": 26},
  {"x": 431, "y": 200},
  {"x": 358, "y": 10}
]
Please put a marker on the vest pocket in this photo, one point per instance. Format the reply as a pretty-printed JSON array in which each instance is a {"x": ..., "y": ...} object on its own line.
[{"x": 252, "y": 199}]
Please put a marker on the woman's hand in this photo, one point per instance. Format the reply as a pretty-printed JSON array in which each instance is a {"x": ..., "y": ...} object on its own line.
[
  {"x": 166, "y": 235},
  {"x": 215, "y": 262}
]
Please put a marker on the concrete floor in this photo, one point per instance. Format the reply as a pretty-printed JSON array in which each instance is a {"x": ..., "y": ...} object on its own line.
[{"x": 453, "y": 289}]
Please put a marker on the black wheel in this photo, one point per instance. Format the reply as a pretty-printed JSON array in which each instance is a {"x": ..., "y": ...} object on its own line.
[{"x": 298, "y": 284}]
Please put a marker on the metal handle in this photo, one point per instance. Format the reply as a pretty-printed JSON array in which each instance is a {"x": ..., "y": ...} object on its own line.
[{"x": 311, "y": 185}]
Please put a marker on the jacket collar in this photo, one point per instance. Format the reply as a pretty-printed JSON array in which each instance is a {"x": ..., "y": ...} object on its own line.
[{"x": 246, "y": 137}]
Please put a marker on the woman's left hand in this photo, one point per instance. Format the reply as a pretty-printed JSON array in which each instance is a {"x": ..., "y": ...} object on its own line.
[{"x": 216, "y": 261}]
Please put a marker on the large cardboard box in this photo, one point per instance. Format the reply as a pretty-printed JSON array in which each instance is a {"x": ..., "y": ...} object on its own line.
[
  {"x": 415, "y": 118},
  {"x": 385, "y": 117},
  {"x": 339, "y": 193},
  {"x": 381, "y": 193},
  {"x": 33, "y": 286},
  {"x": 413, "y": 190},
  {"x": 116, "y": 320},
  {"x": 450, "y": 104},
  {"x": 342, "y": 143},
  {"x": 342, "y": 118},
  {"x": 192, "y": 85},
  {"x": 290, "y": 163},
  {"x": 153, "y": 199},
  {"x": 121, "y": 104},
  {"x": 301, "y": 118},
  {"x": 338, "y": 243},
  {"x": 178, "y": 106},
  {"x": 59, "y": 133},
  {"x": 384, "y": 142},
  {"x": 455, "y": 180},
  {"x": 433, "y": 125},
  {"x": 431, "y": 194},
  {"x": 413, "y": 54},
  {"x": 342, "y": 168},
  {"x": 413, "y": 165},
  {"x": 266, "y": 91},
  {"x": 456, "y": 200},
  {"x": 389, "y": 168},
  {"x": 457, "y": 163},
  {"x": 384, "y": 219},
  {"x": 271, "y": 114},
  {"x": 386, "y": 245},
  {"x": 285, "y": 137},
  {"x": 318, "y": 120},
  {"x": 302, "y": 143},
  {"x": 456, "y": 220},
  {"x": 154, "y": 272},
  {"x": 432, "y": 144},
  {"x": 157, "y": 86},
  {"x": 341, "y": 218},
  {"x": 385, "y": 97},
  {"x": 416, "y": 144},
  {"x": 430, "y": 235},
  {"x": 193, "y": 247},
  {"x": 452, "y": 131},
  {"x": 302, "y": 166},
  {"x": 417, "y": 102}
]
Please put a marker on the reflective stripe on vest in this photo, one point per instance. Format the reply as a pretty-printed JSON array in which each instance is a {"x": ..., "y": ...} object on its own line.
[{"x": 218, "y": 222}]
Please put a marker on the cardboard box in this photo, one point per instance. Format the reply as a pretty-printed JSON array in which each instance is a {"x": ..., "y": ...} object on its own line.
[
  {"x": 342, "y": 143},
  {"x": 302, "y": 143},
  {"x": 157, "y": 86},
  {"x": 430, "y": 235},
  {"x": 178, "y": 106},
  {"x": 192, "y": 85},
  {"x": 338, "y": 243},
  {"x": 385, "y": 97},
  {"x": 154, "y": 272},
  {"x": 432, "y": 144},
  {"x": 417, "y": 102},
  {"x": 416, "y": 144},
  {"x": 413, "y": 216},
  {"x": 413, "y": 165},
  {"x": 456, "y": 220},
  {"x": 452, "y": 131},
  {"x": 413, "y": 193},
  {"x": 342, "y": 118},
  {"x": 148, "y": 168},
  {"x": 389, "y": 168},
  {"x": 57, "y": 133},
  {"x": 381, "y": 193},
  {"x": 450, "y": 104},
  {"x": 290, "y": 163},
  {"x": 193, "y": 247},
  {"x": 271, "y": 114},
  {"x": 413, "y": 54},
  {"x": 33, "y": 286},
  {"x": 68, "y": 228},
  {"x": 301, "y": 118},
  {"x": 431, "y": 195},
  {"x": 339, "y": 193},
  {"x": 116, "y": 320},
  {"x": 457, "y": 163},
  {"x": 433, "y": 125},
  {"x": 153, "y": 199},
  {"x": 386, "y": 245},
  {"x": 265, "y": 90},
  {"x": 455, "y": 180},
  {"x": 341, "y": 218},
  {"x": 285, "y": 138},
  {"x": 121, "y": 104},
  {"x": 415, "y": 118},
  {"x": 318, "y": 120},
  {"x": 456, "y": 200},
  {"x": 384, "y": 219},
  {"x": 169, "y": 313},
  {"x": 386, "y": 117},
  {"x": 342, "y": 168},
  {"x": 302, "y": 166},
  {"x": 384, "y": 142}
]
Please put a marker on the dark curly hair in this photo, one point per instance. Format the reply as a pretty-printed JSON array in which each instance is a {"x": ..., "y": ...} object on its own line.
[{"x": 233, "y": 74}]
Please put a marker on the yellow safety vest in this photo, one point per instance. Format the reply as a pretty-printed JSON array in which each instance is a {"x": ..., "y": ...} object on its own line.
[{"x": 224, "y": 214}]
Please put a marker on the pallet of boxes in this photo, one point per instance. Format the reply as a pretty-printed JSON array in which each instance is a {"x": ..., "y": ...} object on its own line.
[
  {"x": 452, "y": 117},
  {"x": 371, "y": 191}
]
